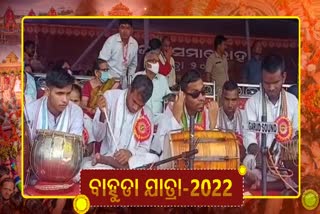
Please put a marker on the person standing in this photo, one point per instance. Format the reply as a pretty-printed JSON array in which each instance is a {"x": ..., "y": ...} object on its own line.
[{"x": 121, "y": 52}]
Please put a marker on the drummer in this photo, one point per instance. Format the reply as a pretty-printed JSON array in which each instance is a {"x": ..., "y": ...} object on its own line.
[
  {"x": 230, "y": 117},
  {"x": 54, "y": 111},
  {"x": 126, "y": 130},
  {"x": 190, "y": 101}
]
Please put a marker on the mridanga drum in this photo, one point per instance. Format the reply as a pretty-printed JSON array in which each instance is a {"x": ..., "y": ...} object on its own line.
[
  {"x": 217, "y": 150},
  {"x": 56, "y": 156}
]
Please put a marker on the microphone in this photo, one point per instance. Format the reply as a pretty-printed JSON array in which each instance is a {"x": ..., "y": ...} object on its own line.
[{"x": 191, "y": 141}]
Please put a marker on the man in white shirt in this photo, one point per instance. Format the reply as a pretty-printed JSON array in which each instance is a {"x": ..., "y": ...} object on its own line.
[
  {"x": 160, "y": 84},
  {"x": 54, "y": 111},
  {"x": 126, "y": 131},
  {"x": 190, "y": 101},
  {"x": 277, "y": 103},
  {"x": 121, "y": 52}
]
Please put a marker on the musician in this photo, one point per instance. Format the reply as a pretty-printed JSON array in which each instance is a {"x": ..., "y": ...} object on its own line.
[
  {"x": 127, "y": 144},
  {"x": 160, "y": 84},
  {"x": 278, "y": 103},
  {"x": 190, "y": 101},
  {"x": 121, "y": 52},
  {"x": 230, "y": 117},
  {"x": 55, "y": 111},
  {"x": 101, "y": 82}
]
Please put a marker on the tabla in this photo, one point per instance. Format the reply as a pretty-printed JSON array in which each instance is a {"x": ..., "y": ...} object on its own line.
[
  {"x": 217, "y": 150},
  {"x": 56, "y": 156}
]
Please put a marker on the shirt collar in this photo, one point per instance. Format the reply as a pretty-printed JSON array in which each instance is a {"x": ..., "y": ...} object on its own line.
[
  {"x": 156, "y": 77},
  {"x": 119, "y": 38},
  {"x": 274, "y": 105}
]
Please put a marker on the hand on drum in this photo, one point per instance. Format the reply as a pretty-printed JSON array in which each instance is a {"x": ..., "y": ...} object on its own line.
[
  {"x": 177, "y": 109},
  {"x": 122, "y": 156},
  {"x": 213, "y": 108}
]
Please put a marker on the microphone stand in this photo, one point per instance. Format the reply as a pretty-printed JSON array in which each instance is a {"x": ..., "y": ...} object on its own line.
[
  {"x": 191, "y": 142},
  {"x": 183, "y": 155},
  {"x": 264, "y": 148}
]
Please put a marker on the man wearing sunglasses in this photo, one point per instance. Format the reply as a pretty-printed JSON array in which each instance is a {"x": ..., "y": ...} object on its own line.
[{"x": 190, "y": 101}]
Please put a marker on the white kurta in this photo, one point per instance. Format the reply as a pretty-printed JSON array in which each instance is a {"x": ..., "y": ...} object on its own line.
[
  {"x": 73, "y": 120},
  {"x": 112, "y": 51},
  {"x": 225, "y": 124},
  {"x": 167, "y": 124},
  {"x": 122, "y": 125},
  {"x": 253, "y": 110}
]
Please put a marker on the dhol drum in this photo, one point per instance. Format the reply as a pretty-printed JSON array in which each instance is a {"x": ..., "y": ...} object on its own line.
[
  {"x": 216, "y": 149},
  {"x": 56, "y": 156}
]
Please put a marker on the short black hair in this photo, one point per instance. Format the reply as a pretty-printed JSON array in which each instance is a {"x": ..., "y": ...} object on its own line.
[
  {"x": 77, "y": 88},
  {"x": 218, "y": 41},
  {"x": 154, "y": 44},
  {"x": 189, "y": 77},
  {"x": 4, "y": 170},
  {"x": 125, "y": 21},
  {"x": 28, "y": 43},
  {"x": 97, "y": 63},
  {"x": 59, "y": 78},
  {"x": 230, "y": 85},
  {"x": 272, "y": 63},
  {"x": 143, "y": 85}
]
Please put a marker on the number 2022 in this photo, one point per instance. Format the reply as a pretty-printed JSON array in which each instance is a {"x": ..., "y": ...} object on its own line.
[{"x": 206, "y": 188}]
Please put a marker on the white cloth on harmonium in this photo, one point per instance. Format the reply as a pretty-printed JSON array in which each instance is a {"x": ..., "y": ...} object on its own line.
[
  {"x": 167, "y": 124},
  {"x": 122, "y": 124},
  {"x": 39, "y": 117}
]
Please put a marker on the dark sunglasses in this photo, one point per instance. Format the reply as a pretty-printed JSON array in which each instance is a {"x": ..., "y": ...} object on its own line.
[{"x": 196, "y": 94}]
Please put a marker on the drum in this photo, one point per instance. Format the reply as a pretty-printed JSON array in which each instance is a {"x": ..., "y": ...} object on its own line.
[
  {"x": 56, "y": 156},
  {"x": 216, "y": 149}
]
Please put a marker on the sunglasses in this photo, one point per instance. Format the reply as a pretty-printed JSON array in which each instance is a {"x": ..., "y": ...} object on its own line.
[{"x": 196, "y": 94}]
